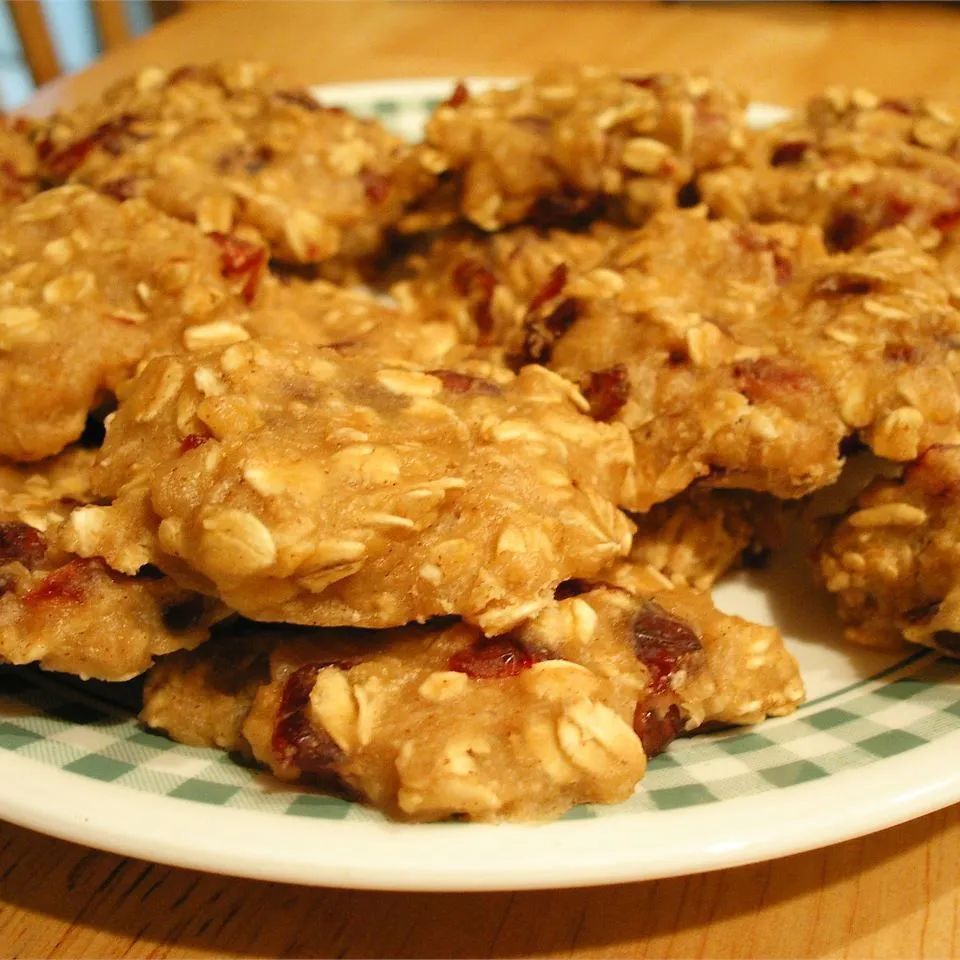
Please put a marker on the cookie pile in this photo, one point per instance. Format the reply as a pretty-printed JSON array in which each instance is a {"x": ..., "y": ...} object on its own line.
[{"x": 442, "y": 541}]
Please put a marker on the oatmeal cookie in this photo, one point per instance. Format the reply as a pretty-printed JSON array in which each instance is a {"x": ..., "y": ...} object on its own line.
[
  {"x": 92, "y": 287},
  {"x": 437, "y": 721},
  {"x": 486, "y": 285},
  {"x": 852, "y": 163},
  {"x": 75, "y": 615},
  {"x": 893, "y": 561},
  {"x": 749, "y": 370},
  {"x": 230, "y": 145},
  {"x": 88, "y": 287},
  {"x": 332, "y": 487},
  {"x": 553, "y": 149}
]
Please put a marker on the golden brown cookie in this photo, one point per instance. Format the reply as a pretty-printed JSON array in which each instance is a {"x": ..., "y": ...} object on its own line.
[
  {"x": 747, "y": 371},
  {"x": 332, "y": 487},
  {"x": 554, "y": 148},
  {"x": 893, "y": 561},
  {"x": 430, "y": 722},
  {"x": 852, "y": 163},
  {"x": 71, "y": 614},
  {"x": 230, "y": 145},
  {"x": 19, "y": 177},
  {"x": 90, "y": 287}
]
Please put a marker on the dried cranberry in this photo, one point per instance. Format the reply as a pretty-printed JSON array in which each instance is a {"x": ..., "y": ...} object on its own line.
[
  {"x": 375, "y": 185},
  {"x": 792, "y": 151},
  {"x": 471, "y": 276},
  {"x": 295, "y": 739},
  {"x": 238, "y": 258},
  {"x": 457, "y": 382},
  {"x": 493, "y": 658},
  {"x": 472, "y": 279},
  {"x": 304, "y": 745},
  {"x": 66, "y": 585},
  {"x": 893, "y": 211},
  {"x": 844, "y": 231},
  {"x": 299, "y": 98},
  {"x": 110, "y": 136},
  {"x": 607, "y": 391},
  {"x": 563, "y": 317},
  {"x": 782, "y": 268},
  {"x": 902, "y": 353},
  {"x": 656, "y": 731},
  {"x": 191, "y": 441},
  {"x": 767, "y": 379},
  {"x": 123, "y": 188},
  {"x": 22, "y": 543},
  {"x": 566, "y": 208},
  {"x": 924, "y": 612},
  {"x": 459, "y": 96},
  {"x": 843, "y": 285},
  {"x": 661, "y": 642},
  {"x": 947, "y": 220},
  {"x": 183, "y": 615},
  {"x": 897, "y": 106},
  {"x": 552, "y": 288}
]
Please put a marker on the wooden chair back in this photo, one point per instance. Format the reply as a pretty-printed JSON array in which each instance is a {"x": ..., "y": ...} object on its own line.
[{"x": 38, "y": 47}]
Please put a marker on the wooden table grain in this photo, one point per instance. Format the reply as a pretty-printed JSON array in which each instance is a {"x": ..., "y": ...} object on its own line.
[{"x": 891, "y": 894}]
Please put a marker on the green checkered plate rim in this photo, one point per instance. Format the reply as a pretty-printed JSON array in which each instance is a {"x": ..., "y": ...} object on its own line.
[{"x": 871, "y": 749}]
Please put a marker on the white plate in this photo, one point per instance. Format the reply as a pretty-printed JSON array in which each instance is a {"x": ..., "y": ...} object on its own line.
[{"x": 875, "y": 745}]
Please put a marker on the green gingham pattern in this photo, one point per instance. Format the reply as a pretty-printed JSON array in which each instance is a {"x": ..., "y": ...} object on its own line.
[
  {"x": 913, "y": 703},
  {"x": 404, "y": 117},
  {"x": 79, "y": 729}
]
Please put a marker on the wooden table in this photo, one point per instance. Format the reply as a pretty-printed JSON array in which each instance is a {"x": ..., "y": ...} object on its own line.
[{"x": 893, "y": 894}]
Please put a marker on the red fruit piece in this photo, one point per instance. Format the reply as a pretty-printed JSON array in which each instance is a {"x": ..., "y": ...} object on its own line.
[
  {"x": 792, "y": 151},
  {"x": 656, "y": 730},
  {"x": 607, "y": 391},
  {"x": 494, "y": 658},
  {"x": 22, "y": 543},
  {"x": 459, "y": 96},
  {"x": 456, "y": 382},
  {"x": 552, "y": 288},
  {"x": 191, "y": 441},
  {"x": 296, "y": 740},
  {"x": 661, "y": 642},
  {"x": 238, "y": 258}
]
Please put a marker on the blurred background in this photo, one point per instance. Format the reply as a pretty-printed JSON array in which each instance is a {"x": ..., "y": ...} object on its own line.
[{"x": 40, "y": 39}]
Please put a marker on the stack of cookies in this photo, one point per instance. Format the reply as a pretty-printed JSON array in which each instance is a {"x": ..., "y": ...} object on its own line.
[{"x": 405, "y": 470}]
